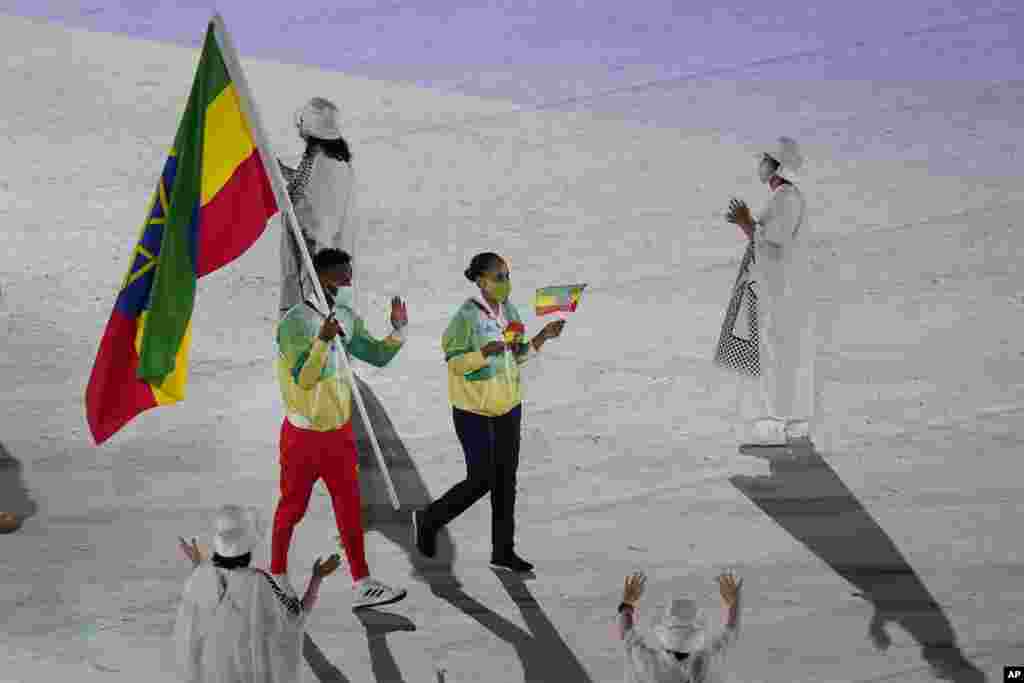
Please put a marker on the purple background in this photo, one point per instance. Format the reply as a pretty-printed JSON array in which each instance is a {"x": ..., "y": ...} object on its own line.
[{"x": 536, "y": 52}]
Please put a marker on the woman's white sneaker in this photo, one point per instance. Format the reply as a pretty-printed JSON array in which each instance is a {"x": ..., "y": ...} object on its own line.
[
  {"x": 798, "y": 430},
  {"x": 769, "y": 432}
]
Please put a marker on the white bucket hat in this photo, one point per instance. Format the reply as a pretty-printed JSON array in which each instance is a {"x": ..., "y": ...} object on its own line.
[
  {"x": 787, "y": 153},
  {"x": 681, "y": 627},
  {"x": 237, "y": 531},
  {"x": 319, "y": 119}
]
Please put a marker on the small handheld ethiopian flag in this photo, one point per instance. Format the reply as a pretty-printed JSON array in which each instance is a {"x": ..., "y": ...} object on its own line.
[
  {"x": 514, "y": 332},
  {"x": 560, "y": 299}
]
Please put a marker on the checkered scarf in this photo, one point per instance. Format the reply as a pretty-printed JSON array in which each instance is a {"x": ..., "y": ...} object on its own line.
[{"x": 298, "y": 178}]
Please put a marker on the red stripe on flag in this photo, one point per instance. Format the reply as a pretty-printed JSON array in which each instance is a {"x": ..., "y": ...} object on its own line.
[
  {"x": 236, "y": 217},
  {"x": 115, "y": 395},
  {"x": 545, "y": 310}
]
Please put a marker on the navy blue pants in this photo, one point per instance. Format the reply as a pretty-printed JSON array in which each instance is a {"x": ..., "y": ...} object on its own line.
[{"x": 491, "y": 448}]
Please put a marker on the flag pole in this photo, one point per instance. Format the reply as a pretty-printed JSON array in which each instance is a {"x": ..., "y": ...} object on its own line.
[{"x": 248, "y": 105}]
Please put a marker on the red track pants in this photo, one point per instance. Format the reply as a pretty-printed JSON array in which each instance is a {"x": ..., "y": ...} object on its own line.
[{"x": 306, "y": 456}]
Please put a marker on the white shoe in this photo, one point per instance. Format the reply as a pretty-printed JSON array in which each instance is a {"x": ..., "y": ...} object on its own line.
[
  {"x": 770, "y": 432},
  {"x": 798, "y": 430},
  {"x": 371, "y": 592}
]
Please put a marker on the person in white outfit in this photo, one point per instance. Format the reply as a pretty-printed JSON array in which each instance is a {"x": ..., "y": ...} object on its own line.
[
  {"x": 779, "y": 405},
  {"x": 680, "y": 651},
  {"x": 322, "y": 190},
  {"x": 235, "y": 624}
]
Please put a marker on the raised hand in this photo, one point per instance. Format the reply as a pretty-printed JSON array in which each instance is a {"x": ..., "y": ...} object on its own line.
[
  {"x": 192, "y": 552},
  {"x": 739, "y": 213},
  {"x": 399, "y": 314},
  {"x": 324, "y": 569},
  {"x": 729, "y": 587},
  {"x": 634, "y": 588}
]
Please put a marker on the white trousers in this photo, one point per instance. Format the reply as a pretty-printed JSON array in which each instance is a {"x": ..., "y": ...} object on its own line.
[{"x": 785, "y": 390}]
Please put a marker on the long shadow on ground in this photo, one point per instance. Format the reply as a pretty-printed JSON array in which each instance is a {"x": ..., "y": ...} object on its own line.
[
  {"x": 14, "y": 496},
  {"x": 544, "y": 654},
  {"x": 378, "y": 625},
  {"x": 806, "y": 497},
  {"x": 323, "y": 669},
  {"x": 379, "y": 516}
]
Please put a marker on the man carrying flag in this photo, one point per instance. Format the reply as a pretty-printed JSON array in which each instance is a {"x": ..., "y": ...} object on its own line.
[
  {"x": 316, "y": 436},
  {"x": 212, "y": 202}
]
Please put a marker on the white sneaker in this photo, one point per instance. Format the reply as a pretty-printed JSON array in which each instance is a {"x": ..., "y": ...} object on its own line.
[
  {"x": 798, "y": 430},
  {"x": 371, "y": 592},
  {"x": 769, "y": 432}
]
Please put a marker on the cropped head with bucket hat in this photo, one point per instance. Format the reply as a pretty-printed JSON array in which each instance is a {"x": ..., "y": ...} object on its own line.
[
  {"x": 786, "y": 154},
  {"x": 679, "y": 647},
  {"x": 682, "y": 627},
  {"x": 236, "y": 531},
  {"x": 319, "y": 118}
]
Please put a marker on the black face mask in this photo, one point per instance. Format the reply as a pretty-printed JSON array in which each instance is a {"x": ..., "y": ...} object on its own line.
[{"x": 680, "y": 656}]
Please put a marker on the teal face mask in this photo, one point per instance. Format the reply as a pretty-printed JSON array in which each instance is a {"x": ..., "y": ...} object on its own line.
[
  {"x": 344, "y": 297},
  {"x": 344, "y": 309}
]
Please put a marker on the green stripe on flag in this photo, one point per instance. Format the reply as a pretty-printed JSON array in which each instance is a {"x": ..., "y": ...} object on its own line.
[{"x": 174, "y": 285}]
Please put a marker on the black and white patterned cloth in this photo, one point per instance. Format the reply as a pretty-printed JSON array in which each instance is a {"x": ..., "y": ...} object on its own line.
[
  {"x": 287, "y": 171},
  {"x": 298, "y": 178},
  {"x": 292, "y": 604},
  {"x": 737, "y": 348}
]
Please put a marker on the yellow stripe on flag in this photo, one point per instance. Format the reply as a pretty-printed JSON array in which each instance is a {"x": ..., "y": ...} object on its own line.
[
  {"x": 172, "y": 389},
  {"x": 227, "y": 142}
]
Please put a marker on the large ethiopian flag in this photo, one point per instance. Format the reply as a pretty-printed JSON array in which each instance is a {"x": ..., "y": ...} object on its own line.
[{"x": 212, "y": 202}]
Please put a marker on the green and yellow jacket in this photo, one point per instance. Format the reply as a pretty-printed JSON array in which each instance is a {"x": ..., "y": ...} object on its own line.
[
  {"x": 484, "y": 386},
  {"x": 314, "y": 394}
]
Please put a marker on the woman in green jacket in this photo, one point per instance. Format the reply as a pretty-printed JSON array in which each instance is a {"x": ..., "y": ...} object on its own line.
[{"x": 484, "y": 347}]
